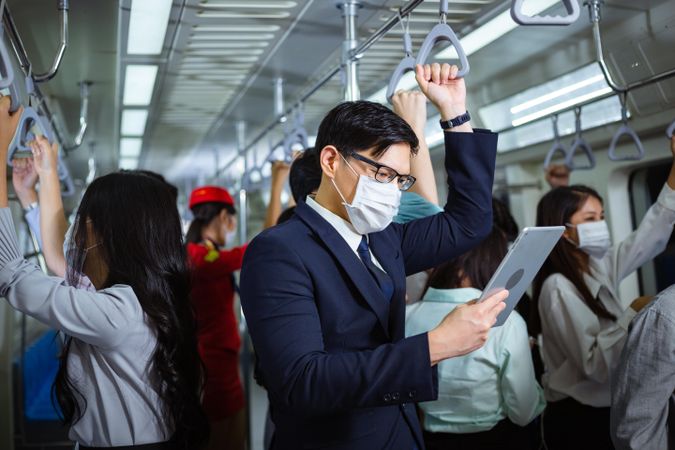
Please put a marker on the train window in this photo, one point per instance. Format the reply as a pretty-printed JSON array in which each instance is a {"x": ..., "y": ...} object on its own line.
[
  {"x": 539, "y": 102},
  {"x": 645, "y": 185}
]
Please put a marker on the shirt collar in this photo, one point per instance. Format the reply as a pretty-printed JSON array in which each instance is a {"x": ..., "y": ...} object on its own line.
[
  {"x": 344, "y": 228},
  {"x": 458, "y": 296}
]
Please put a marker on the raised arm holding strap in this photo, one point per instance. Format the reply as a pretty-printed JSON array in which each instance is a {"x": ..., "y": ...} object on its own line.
[
  {"x": 580, "y": 143},
  {"x": 671, "y": 130},
  {"x": 443, "y": 32},
  {"x": 406, "y": 65},
  {"x": 573, "y": 11},
  {"x": 625, "y": 129},
  {"x": 557, "y": 146}
]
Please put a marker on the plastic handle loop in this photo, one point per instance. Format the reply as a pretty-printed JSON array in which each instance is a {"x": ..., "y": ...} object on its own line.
[
  {"x": 573, "y": 11},
  {"x": 580, "y": 143},
  {"x": 297, "y": 136},
  {"x": 6, "y": 69},
  {"x": 406, "y": 65},
  {"x": 671, "y": 130},
  {"x": 24, "y": 135},
  {"x": 627, "y": 131},
  {"x": 64, "y": 175},
  {"x": 443, "y": 32},
  {"x": 557, "y": 147}
]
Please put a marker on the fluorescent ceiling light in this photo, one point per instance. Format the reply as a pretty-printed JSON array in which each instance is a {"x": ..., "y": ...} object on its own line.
[
  {"x": 225, "y": 59},
  {"x": 223, "y": 52},
  {"x": 248, "y": 5},
  {"x": 128, "y": 163},
  {"x": 243, "y": 15},
  {"x": 139, "y": 84},
  {"x": 474, "y": 41},
  {"x": 215, "y": 44},
  {"x": 130, "y": 147},
  {"x": 560, "y": 92},
  {"x": 147, "y": 26},
  {"x": 236, "y": 28},
  {"x": 560, "y": 106},
  {"x": 232, "y": 37},
  {"x": 133, "y": 122}
]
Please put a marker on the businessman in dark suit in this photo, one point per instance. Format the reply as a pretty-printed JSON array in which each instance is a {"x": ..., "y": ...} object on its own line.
[{"x": 323, "y": 294}]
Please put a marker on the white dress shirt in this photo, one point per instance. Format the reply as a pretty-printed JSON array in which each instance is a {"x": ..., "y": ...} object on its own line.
[
  {"x": 478, "y": 390},
  {"x": 111, "y": 352},
  {"x": 344, "y": 229},
  {"x": 579, "y": 349}
]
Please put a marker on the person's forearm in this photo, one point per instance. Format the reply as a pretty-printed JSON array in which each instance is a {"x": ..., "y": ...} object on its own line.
[
  {"x": 53, "y": 224},
  {"x": 422, "y": 169},
  {"x": 27, "y": 197}
]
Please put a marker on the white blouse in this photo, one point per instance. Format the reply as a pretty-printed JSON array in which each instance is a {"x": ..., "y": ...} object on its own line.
[
  {"x": 580, "y": 349},
  {"x": 111, "y": 351}
]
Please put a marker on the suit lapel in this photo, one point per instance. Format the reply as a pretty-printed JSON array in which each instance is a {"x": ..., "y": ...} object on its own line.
[
  {"x": 388, "y": 257},
  {"x": 348, "y": 260}
]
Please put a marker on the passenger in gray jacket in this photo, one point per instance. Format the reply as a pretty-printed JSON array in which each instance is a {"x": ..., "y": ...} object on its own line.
[{"x": 643, "y": 387}]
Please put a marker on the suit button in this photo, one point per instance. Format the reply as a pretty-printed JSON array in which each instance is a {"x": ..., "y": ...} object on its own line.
[
  {"x": 412, "y": 394},
  {"x": 387, "y": 397},
  {"x": 395, "y": 396}
]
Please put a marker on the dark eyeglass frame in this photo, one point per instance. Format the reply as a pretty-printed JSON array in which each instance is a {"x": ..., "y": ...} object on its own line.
[{"x": 404, "y": 182}]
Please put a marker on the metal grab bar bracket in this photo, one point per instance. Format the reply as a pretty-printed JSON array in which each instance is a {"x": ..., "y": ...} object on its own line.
[
  {"x": 573, "y": 11},
  {"x": 62, "y": 6}
]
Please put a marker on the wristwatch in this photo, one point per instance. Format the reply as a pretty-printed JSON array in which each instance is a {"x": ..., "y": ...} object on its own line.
[{"x": 457, "y": 121}]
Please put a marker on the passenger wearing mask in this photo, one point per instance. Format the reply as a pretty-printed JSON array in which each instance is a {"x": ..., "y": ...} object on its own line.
[
  {"x": 213, "y": 227},
  {"x": 582, "y": 319},
  {"x": 323, "y": 293},
  {"x": 130, "y": 373},
  {"x": 485, "y": 398}
]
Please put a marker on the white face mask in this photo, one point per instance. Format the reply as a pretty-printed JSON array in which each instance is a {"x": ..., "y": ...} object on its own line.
[
  {"x": 374, "y": 205},
  {"x": 594, "y": 238},
  {"x": 83, "y": 282},
  {"x": 230, "y": 236}
]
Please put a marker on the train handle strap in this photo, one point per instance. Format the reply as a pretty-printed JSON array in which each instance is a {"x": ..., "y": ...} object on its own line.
[
  {"x": 671, "y": 130},
  {"x": 439, "y": 33},
  {"x": 407, "y": 64},
  {"x": 297, "y": 135},
  {"x": 557, "y": 146},
  {"x": 625, "y": 130},
  {"x": 6, "y": 69},
  {"x": 24, "y": 132},
  {"x": 68, "y": 189},
  {"x": 580, "y": 144},
  {"x": 572, "y": 7}
]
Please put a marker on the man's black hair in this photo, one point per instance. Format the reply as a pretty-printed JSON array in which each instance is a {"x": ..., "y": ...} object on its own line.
[{"x": 305, "y": 175}]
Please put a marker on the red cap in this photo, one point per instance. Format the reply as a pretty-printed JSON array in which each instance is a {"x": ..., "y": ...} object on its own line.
[{"x": 208, "y": 194}]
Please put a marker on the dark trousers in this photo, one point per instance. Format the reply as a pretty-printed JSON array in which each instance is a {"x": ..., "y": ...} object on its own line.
[
  {"x": 570, "y": 425},
  {"x": 504, "y": 436}
]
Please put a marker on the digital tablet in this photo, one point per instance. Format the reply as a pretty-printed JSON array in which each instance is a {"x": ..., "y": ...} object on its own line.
[{"x": 520, "y": 265}]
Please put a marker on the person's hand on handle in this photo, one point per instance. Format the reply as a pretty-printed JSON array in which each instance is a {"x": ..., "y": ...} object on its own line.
[
  {"x": 24, "y": 179},
  {"x": 8, "y": 123},
  {"x": 45, "y": 155},
  {"x": 466, "y": 328},
  {"x": 411, "y": 106},
  {"x": 280, "y": 171},
  {"x": 557, "y": 175},
  {"x": 442, "y": 87}
]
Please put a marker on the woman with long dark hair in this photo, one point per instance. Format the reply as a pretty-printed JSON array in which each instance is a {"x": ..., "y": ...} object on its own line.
[
  {"x": 130, "y": 374},
  {"x": 582, "y": 320}
]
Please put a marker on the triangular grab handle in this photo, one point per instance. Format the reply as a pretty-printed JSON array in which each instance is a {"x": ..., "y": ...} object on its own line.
[
  {"x": 23, "y": 134},
  {"x": 443, "y": 32},
  {"x": 406, "y": 65},
  {"x": 297, "y": 136},
  {"x": 580, "y": 144},
  {"x": 573, "y": 11},
  {"x": 671, "y": 130},
  {"x": 557, "y": 147},
  {"x": 628, "y": 131}
]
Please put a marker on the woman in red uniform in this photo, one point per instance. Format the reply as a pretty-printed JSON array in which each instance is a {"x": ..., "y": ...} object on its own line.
[{"x": 213, "y": 299}]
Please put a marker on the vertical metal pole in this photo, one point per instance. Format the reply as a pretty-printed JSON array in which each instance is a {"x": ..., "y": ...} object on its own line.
[
  {"x": 243, "y": 210},
  {"x": 279, "y": 98},
  {"x": 349, "y": 14}
]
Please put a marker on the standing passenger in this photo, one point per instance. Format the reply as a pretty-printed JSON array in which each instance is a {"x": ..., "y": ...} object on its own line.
[
  {"x": 582, "y": 319},
  {"x": 130, "y": 373},
  {"x": 323, "y": 293}
]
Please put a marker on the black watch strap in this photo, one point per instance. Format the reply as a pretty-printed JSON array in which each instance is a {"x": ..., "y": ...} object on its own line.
[{"x": 457, "y": 121}]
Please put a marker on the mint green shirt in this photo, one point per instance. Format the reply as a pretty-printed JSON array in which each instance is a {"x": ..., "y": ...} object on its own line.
[{"x": 478, "y": 390}]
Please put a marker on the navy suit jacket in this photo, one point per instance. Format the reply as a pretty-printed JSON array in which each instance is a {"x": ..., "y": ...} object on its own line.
[{"x": 331, "y": 349}]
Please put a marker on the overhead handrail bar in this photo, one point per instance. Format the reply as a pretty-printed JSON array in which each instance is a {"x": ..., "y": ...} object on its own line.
[
  {"x": 572, "y": 7},
  {"x": 557, "y": 147},
  {"x": 62, "y": 6},
  {"x": 84, "y": 116},
  {"x": 406, "y": 64},
  {"x": 671, "y": 130},
  {"x": 356, "y": 53},
  {"x": 443, "y": 33},
  {"x": 580, "y": 143},
  {"x": 626, "y": 130}
]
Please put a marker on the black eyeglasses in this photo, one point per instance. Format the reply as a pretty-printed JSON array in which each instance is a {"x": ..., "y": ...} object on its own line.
[{"x": 385, "y": 174}]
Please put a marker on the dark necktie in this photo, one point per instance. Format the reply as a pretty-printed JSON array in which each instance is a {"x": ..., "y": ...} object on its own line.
[{"x": 382, "y": 279}]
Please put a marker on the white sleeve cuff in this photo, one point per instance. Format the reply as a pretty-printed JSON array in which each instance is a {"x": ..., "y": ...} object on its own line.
[{"x": 667, "y": 197}]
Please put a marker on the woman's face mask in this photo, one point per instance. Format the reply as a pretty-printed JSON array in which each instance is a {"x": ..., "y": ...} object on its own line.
[
  {"x": 75, "y": 276},
  {"x": 594, "y": 238},
  {"x": 374, "y": 204}
]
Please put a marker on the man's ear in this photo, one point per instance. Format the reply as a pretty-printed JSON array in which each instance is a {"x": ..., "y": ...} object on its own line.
[{"x": 329, "y": 160}]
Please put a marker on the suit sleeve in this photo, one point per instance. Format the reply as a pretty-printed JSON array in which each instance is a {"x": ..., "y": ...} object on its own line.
[
  {"x": 278, "y": 301},
  {"x": 467, "y": 217}
]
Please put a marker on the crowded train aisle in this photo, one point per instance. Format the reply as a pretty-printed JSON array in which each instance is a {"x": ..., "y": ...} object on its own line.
[{"x": 343, "y": 225}]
